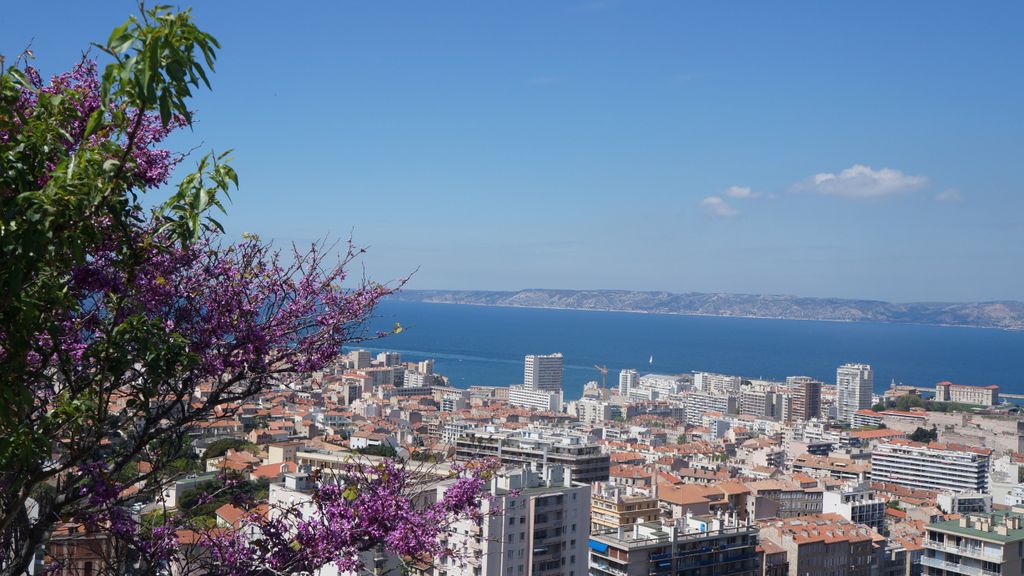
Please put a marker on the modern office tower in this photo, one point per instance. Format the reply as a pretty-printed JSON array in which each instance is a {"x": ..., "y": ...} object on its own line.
[
  {"x": 823, "y": 544},
  {"x": 543, "y": 372},
  {"x": 627, "y": 381},
  {"x": 805, "y": 397},
  {"x": 854, "y": 386},
  {"x": 535, "y": 447},
  {"x": 975, "y": 544},
  {"x": 933, "y": 466},
  {"x": 542, "y": 529},
  {"x": 856, "y": 502},
  {"x": 696, "y": 545},
  {"x": 613, "y": 506}
]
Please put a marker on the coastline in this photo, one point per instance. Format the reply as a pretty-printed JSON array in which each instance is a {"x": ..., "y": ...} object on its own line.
[{"x": 700, "y": 315}]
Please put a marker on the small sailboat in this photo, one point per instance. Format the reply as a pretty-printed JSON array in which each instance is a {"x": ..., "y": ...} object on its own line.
[{"x": 651, "y": 360}]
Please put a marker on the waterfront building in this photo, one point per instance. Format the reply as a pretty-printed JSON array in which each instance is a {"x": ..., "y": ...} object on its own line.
[
  {"x": 535, "y": 447},
  {"x": 627, "y": 381},
  {"x": 666, "y": 384},
  {"x": 417, "y": 379},
  {"x": 980, "y": 395},
  {"x": 389, "y": 358},
  {"x": 975, "y": 545},
  {"x": 932, "y": 466},
  {"x": 693, "y": 545},
  {"x": 717, "y": 383},
  {"x": 543, "y": 372},
  {"x": 854, "y": 388},
  {"x": 542, "y": 529}
]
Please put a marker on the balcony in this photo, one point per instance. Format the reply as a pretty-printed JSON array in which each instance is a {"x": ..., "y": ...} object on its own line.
[
  {"x": 956, "y": 568},
  {"x": 605, "y": 568},
  {"x": 970, "y": 552}
]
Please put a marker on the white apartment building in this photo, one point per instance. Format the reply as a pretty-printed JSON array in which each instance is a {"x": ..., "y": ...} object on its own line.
[
  {"x": 452, "y": 429},
  {"x": 697, "y": 403},
  {"x": 592, "y": 411},
  {"x": 543, "y": 400},
  {"x": 543, "y": 372},
  {"x": 717, "y": 383},
  {"x": 627, "y": 381},
  {"x": 856, "y": 502},
  {"x": 854, "y": 387},
  {"x": 939, "y": 467},
  {"x": 666, "y": 384},
  {"x": 389, "y": 358},
  {"x": 417, "y": 379},
  {"x": 543, "y": 529}
]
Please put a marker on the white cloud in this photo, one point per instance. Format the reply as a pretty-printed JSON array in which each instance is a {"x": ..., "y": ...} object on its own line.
[
  {"x": 949, "y": 196},
  {"x": 860, "y": 181},
  {"x": 741, "y": 192},
  {"x": 715, "y": 206}
]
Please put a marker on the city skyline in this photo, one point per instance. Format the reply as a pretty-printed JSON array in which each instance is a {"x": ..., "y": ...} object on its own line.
[{"x": 858, "y": 151}]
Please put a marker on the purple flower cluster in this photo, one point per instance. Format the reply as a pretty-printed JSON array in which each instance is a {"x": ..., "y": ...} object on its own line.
[
  {"x": 370, "y": 505},
  {"x": 151, "y": 166}
]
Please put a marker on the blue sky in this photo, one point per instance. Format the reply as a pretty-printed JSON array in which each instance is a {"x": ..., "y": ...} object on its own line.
[{"x": 869, "y": 149}]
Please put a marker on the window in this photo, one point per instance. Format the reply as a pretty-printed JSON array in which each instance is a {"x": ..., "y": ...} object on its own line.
[{"x": 511, "y": 520}]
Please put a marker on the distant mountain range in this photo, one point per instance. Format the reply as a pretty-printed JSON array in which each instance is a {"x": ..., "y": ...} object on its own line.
[{"x": 1004, "y": 314}]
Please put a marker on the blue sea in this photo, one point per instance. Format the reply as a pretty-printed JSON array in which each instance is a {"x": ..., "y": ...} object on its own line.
[{"x": 480, "y": 345}]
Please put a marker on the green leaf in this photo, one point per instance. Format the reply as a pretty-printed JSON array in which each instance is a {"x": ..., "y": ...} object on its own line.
[{"x": 95, "y": 119}]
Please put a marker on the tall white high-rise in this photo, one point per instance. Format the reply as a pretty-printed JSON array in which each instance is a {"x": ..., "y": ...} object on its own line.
[
  {"x": 627, "y": 381},
  {"x": 543, "y": 372},
  {"x": 854, "y": 386}
]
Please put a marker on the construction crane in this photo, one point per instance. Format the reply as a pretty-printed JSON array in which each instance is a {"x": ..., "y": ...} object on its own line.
[{"x": 604, "y": 380}]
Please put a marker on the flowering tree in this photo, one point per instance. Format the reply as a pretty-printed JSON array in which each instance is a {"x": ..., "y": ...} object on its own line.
[{"x": 113, "y": 316}]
